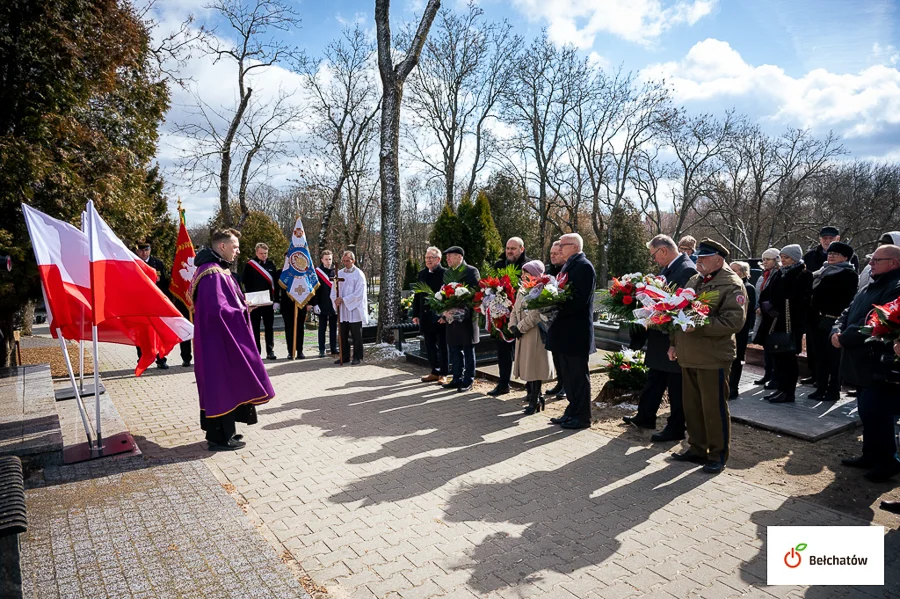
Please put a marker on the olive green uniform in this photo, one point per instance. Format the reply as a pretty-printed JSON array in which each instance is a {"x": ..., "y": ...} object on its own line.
[{"x": 705, "y": 356}]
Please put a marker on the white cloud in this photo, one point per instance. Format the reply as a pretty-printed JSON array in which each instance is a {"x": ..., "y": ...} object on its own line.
[
  {"x": 887, "y": 55},
  {"x": 854, "y": 105},
  {"x": 577, "y": 22}
]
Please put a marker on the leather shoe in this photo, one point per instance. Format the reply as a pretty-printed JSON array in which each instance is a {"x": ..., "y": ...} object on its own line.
[
  {"x": 561, "y": 394},
  {"x": 321, "y": 354},
  {"x": 891, "y": 506},
  {"x": 356, "y": 362},
  {"x": 575, "y": 424},
  {"x": 860, "y": 462},
  {"x": 301, "y": 356},
  {"x": 688, "y": 456},
  {"x": 638, "y": 423},
  {"x": 712, "y": 467},
  {"x": 498, "y": 390},
  {"x": 271, "y": 357},
  {"x": 186, "y": 363},
  {"x": 762, "y": 381},
  {"x": 232, "y": 445},
  {"x": 162, "y": 365},
  {"x": 770, "y": 385},
  {"x": 782, "y": 397},
  {"x": 810, "y": 380},
  {"x": 450, "y": 385},
  {"x": 817, "y": 394},
  {"x": 555, "y": 390},
  {"x": 560, "y": 419},
  {"x": 463, "y": 388},
  {"x": 442, "y": 380},
  {"x": 769, "y": 396},
  {"x": 883, "y": 473},
  {"x": 666, "y": 435},
  {"x": 430, "y": 378}
]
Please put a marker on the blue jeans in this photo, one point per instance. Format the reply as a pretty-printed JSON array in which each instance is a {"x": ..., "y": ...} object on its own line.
[{"x": 463, "y": 359}]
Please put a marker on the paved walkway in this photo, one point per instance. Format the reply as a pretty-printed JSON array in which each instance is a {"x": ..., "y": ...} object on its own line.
[{"x": 381, "y": 486}]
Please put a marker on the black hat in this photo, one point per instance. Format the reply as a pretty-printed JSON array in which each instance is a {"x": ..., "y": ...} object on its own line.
[
  {"x": 455, "y": 249},
  {"x": 143, "y": 246},
  {"x": 839, "y": 247},
  {"x": 709, "y": 247},
  {"x": 829, "y": 231}
]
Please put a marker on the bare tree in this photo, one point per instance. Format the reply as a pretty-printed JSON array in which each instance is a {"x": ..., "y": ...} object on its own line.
[
  {"x": 172, "y": 49},
  {"x": 254, "y": 23},
  {"x": 393, "y": 78},
  {"x": 345, "y": 103},
  {"x": 463, "y": 70}
]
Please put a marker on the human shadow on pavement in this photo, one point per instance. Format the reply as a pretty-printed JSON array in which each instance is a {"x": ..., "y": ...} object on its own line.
[
  {"x": 567, "y": 527},
  {"x": 796, "y": 511}
]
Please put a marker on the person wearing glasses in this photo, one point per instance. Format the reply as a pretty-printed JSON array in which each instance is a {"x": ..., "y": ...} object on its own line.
[
  {"x": 434, "y": 334},
  {"x": 871, "y": 366},
  {"x": 662, "y": 373},
  {"x": 833, "y": 288},
  {"x": 572, "y": 332},
  {"x": 770, "y": 263},
  {"x": 865, "y": 277}
]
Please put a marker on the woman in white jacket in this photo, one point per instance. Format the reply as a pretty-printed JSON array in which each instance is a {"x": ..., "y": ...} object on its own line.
[{"x": 533, "y": 363}]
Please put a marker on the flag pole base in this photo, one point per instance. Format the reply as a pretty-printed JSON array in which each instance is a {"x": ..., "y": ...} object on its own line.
[
  {"x": 83, "y": 452},
  {"x": 69, "y": 392}
]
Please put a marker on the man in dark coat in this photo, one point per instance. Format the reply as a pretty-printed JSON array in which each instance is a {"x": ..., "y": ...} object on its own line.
[
  {"x": 870, "y": 365},
  {"x": 571, "y": 334},
  {"x": 260, "y": 274},
  {"x": 552, "y": 269},
  {"x": 833, "y": 288},
  {"x": 814, "y": 259},
  {"x": 434, "y": 334},
  {"x": 662, "y": 374},
  {"x": 514, "y": 256},
  {"x": 462, "y": 335},
  {"x": 322, "y": 300},
  {"x": 162, "y": 282}
]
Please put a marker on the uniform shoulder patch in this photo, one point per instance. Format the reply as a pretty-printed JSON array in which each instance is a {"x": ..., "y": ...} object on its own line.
[{"x": 741, "y": 298}]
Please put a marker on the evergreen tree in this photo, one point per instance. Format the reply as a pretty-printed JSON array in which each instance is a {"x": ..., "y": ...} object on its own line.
[
  {"x": 511, "y": 213},
  {"x": 258, "y": 227},
  {"x": 412, "y": 273},
  {"x": 628, "y": 250},
  {"x": 447, "y": 230},
  {"x": 480, "y": 238}
]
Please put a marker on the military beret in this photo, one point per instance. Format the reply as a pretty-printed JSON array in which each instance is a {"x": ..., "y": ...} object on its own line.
[
  {"x": 710, "y": 247},
  {"x": 455, "y": 249},
  {"x": 829, "y": 232},
  {"x": 839, "y": 247}
]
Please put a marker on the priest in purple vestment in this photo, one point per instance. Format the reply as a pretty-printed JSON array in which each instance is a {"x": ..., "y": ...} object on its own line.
[{"x": 231, "y": 378}]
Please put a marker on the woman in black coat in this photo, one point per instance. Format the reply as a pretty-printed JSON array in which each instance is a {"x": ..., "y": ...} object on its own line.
[
  {"x": 786, "y": 304},
  {"x": 833, "y": 288},
  {"x": 742, "y": 269}
]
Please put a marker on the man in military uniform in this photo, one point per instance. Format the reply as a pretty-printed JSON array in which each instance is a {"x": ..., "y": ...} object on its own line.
[
  {"x": 260, "y": 274},
  {"x": 162, "y": 282},
  {"x": 506, "y": 350},
  {"x": 705, "y": 355}
]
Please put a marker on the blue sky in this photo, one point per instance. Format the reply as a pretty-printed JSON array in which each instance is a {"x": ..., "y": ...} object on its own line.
[{"x": 824, "y": 64}]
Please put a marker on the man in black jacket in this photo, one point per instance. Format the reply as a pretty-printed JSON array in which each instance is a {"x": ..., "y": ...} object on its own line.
[
  {"x": 260, "y": 274},
  {"x": 870, "y": 365},
  {"x": 572, "y": 332},
  {"x": 506, "y": 350},
  {"x": 462, "y": 336},
  {"x": 327, "y": 315},
  {"x": 662, "y": 373},
  {"x": 552, "y": 269},
  {"x": 434, "y": 333},
  {"x": 162, "y": 282}
]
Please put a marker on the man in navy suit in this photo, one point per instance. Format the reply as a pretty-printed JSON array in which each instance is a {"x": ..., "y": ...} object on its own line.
[
  {"x": 572, "y": 332},
  {"x": 662, "y": 373}
]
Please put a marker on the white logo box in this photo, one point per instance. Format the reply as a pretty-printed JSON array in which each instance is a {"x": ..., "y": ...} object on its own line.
[{"x": 825, "y": 555}]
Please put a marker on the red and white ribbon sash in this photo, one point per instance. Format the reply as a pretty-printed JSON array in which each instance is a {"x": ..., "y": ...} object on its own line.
[
  {"x": 323, "y": 277},
  {"x": 263, "y": 272}
]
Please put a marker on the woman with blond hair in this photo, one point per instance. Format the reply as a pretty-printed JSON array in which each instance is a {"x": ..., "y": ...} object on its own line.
[{"x": 533, "y": 363}]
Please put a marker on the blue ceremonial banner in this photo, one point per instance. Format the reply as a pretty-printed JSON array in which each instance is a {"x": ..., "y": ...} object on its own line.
[{"x": 299, "y": 273}]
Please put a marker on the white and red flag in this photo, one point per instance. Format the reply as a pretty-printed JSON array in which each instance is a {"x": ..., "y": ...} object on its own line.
[
  {"x": 61, "y": 251},
  {"x": 125, "y": 296}
]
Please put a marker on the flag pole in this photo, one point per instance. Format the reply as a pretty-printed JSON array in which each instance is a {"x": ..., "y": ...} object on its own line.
[
  {"x": 296, "y": 309},
  {"x": 84, "y": 420},
  {"x": 98, "y": 446}
]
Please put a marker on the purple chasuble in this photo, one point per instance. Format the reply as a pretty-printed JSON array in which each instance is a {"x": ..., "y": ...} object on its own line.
[{"x": 229, "y": 369}]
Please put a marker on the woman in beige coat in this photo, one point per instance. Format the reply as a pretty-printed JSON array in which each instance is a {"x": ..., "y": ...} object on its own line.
[{"x": 533, "y": 363}]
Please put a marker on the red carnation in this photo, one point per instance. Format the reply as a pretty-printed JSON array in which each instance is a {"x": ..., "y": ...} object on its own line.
[{"x": 628, "y": 300}]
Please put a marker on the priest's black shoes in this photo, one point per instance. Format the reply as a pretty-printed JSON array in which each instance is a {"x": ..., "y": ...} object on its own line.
[
  {"x": 891, "y": 506},
  {"x": 498, "y": 390},
  {"x": 231, "y": 445},
  {"x": 666, "y": 435},
  {"x": 638, "y": 422}
]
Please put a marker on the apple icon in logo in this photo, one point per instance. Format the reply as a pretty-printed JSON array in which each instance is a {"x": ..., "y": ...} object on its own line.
[{"x": 792, "y": 558}]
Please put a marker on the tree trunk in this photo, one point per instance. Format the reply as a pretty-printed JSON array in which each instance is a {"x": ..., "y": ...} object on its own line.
[
  {"x": 389, "y": 292},
  {"x": 329, "y": 211},
  {"x": 225, "y": 171},
  {"x": 7, "y": 345},
  {"x": 28, "y": 318}
]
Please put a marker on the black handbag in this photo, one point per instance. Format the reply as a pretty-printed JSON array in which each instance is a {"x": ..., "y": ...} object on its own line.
[{"x": 782, "y": 342}]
